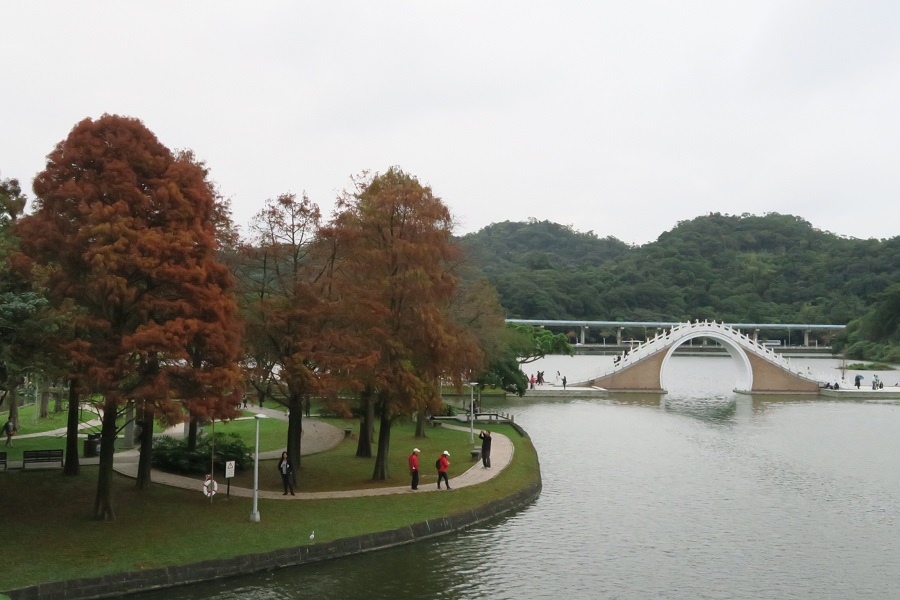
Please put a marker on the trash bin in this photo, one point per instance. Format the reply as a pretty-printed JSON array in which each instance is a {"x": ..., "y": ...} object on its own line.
[{"x": 92, "y": 445}]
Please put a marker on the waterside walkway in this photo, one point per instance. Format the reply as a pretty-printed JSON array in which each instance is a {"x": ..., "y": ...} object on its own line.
[{"x": 318, "y": 436}]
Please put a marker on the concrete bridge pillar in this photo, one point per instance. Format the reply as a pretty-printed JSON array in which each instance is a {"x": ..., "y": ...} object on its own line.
[
  {"x": 584, "y": 328},
  {"x": 806, "y": 338},
  {"x": 619, "y": 336},
  {"x": 756, "y": 335}
]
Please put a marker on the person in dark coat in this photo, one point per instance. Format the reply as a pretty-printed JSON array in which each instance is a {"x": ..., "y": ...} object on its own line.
[
  {"x": 287, "y": 474},
  {"x": 485, "y": 448},
  {"x": 10, "y": 429}
]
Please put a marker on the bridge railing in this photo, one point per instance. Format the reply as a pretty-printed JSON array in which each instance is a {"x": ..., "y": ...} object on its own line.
[{"x": 663, "y": 340}]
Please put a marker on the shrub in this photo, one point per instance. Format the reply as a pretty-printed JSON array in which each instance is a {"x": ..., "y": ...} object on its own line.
[{"x": 171, "y": 454}]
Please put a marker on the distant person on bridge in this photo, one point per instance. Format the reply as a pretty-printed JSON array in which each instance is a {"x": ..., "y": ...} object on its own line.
[
  {"x": 857, "y": 381},
  {"x": 564, "y": 381}
]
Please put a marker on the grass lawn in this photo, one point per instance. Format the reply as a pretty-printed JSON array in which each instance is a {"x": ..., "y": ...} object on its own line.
[
  {"x": 340, "y": 469},
  {"x": 272, "y": 432},
  {"x": 37, "y": 443},
  {"x": 31, "y": 422},
  {"x": 47, "y": 515}
]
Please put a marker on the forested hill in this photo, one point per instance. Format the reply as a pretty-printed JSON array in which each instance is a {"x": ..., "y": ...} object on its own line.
[{"x": 769, "y": 269}]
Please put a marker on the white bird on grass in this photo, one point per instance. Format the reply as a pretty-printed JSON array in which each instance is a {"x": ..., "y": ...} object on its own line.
[{"x": 312, "y": 535}]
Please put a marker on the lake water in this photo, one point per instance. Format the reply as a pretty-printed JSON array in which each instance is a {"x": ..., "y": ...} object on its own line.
[{"x": 700, "y": 493}]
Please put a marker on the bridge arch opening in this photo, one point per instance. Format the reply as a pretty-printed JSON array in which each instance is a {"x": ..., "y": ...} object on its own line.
[{"x": 738, "y": 356}]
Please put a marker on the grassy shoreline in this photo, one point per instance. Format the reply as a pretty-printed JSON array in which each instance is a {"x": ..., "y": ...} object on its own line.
[{"x": 47, "y": 517}]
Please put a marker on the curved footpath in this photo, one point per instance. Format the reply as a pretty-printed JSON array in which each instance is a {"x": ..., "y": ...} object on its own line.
[{"x": 318, "y": 437}]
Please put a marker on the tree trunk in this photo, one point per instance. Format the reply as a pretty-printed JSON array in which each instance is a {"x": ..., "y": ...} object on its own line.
[
  {"x": 295, "y": 429},
  {"x": 384, "y": 443},
  {"x": 13, "y": 398},
  {"x": 420, "y": 424},
  {"x": 103, "y": 509},
  {"x": 71, "y": 465},
  {"x": 130, "y": 422},
  {"x": 44, "y": 395},
  {"x": 146, "y": 458},
  {"x": 57, "y": 399},
  {"x": 366, "y": 424},
  {"x": 192, "y": 434}
]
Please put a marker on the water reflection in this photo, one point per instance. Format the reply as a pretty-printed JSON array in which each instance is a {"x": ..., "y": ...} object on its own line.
[{"x": 715, "y": 410}]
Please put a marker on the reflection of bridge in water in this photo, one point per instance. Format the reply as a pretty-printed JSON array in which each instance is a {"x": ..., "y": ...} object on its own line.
[{"x": 760, "y": 370}]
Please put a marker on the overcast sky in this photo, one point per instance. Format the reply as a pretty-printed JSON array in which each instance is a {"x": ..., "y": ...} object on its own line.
[{"x": 620, "y": 118}]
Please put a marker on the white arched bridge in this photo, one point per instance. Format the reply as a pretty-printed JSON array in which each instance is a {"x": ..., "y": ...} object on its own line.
[{"x": 760, "y": 369}]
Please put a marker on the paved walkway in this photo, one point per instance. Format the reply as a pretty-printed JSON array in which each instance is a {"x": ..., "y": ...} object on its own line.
[{"x": 319, "y": 436}]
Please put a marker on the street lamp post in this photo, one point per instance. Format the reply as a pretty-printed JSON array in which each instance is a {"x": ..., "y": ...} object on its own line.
[{"x": 254, "y": 516}]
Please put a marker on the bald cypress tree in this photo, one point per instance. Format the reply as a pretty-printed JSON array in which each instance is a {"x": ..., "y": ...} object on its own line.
[
  {"x": 126, "y": 227},
  {"x": 393, "y": 268}
]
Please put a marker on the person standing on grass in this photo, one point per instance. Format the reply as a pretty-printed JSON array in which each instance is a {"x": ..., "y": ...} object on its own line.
[
  {"x": 414, "y": 468},
  {"x": 287, "y": 474},
  {"x": 443, "y": 464},
  {"x": 10, "y": 429},
  {"x": 485, "y": 449}
]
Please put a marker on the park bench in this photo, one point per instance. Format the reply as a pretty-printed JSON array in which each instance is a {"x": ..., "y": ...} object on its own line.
[
  {"x": 348, "y": 431},
  {"x": 42, "y": 456},
  {"x": 476, "y": 453},
  {"x": 3, "y": 459},
  {"x": 436, "y": 423}
]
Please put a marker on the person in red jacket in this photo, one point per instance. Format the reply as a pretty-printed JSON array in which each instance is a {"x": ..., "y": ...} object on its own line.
[
  {"x": 414, "y": 468},
  {"x": 443, "y": 465}
]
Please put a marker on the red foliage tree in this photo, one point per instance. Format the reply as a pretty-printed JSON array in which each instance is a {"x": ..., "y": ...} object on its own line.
[
  {"x": 282, "y": 305},
  {"x": 129, "y": 227},
  {"x": 394, "y": 255}
]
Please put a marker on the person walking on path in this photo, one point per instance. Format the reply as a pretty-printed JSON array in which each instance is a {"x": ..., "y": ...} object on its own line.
[
  {"x": 414, "y": 468},
  {"x": 287, "y": 474},
  {"x": 10, "y": 429},
  {"x": 485, "y": 449},
  {"x": 564, "y": 381},
  {"x": 443, "y": 463}
]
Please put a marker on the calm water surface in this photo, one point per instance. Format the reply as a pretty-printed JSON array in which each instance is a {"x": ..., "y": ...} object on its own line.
[{"x": 701, "y": 493}]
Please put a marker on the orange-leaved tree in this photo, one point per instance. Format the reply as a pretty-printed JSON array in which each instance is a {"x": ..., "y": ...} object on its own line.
[
  {"x": 284, "y": 306},
  {"x": 126, "y": 224},
  {"x": 394, "y": 255}
]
